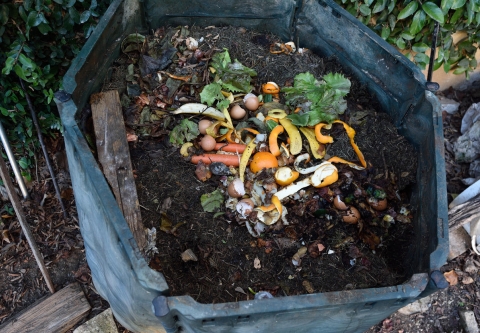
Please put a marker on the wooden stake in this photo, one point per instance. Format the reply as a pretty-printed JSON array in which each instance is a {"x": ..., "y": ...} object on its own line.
[{"x": 23, "y": 222}]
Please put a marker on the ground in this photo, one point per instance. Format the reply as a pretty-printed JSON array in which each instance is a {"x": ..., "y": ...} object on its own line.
[{"x": 59, "y": 240}]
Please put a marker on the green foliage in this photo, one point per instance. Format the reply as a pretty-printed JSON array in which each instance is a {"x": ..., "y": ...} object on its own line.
[
  {"x": 38, "y": 40},
  {"x": 409, "y": 26},
  {"x": 233, "y": 77},
  {"x": 320, "y": 101},
  {"x": 186, "y": 131}
]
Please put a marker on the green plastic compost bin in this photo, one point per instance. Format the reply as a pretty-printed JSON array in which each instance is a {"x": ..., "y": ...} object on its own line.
[{"x": 138, "y": 295}]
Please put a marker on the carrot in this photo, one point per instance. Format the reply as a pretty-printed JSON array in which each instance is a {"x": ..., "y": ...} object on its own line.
[
  {"x": 229, "y": 160},
  {"x": 231, "y": 147}
]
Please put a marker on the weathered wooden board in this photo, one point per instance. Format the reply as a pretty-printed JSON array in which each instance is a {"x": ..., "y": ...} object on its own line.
[
  {"x": 56, "y": 313},
  {"x": 464, "y": 213},
  {"x": 114, "y": 156}
]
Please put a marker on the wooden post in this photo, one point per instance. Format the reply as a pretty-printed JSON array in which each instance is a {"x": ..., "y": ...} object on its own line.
[
  {"x": 114, "y": 155},
  {"x": 56, "y": 313}
]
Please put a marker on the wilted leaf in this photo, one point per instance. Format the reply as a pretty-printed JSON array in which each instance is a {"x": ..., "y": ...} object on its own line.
[
  {"x": 165, "y": 223},
  {"x": 451, "y": 277},
  {"x": 211, "y": 202},
  {"x": 185, "y": 131}
]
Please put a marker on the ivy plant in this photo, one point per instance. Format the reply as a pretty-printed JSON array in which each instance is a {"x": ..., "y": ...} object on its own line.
[
  {"x": 38, "y": 40},
  {"x": 409, "y": 25}
]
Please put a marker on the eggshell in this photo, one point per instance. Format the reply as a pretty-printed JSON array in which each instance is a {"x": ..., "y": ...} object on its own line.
[
  {"x": 251, "y": 103},
  {"x": 203, "y": 125},
  {"x": 378, "y": 204},
  {"x": 245, "y": 207},
  {"x": 339, "y": 204},
  {"x": 352, "y": 216},
  {"x": 237, "y": 112},
  {"x": 236, "y": 189},
  {"x": 208, "y": 143}
]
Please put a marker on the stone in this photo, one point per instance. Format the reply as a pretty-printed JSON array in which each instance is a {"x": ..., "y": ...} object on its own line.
[
  {"x": 469, "y": 323},
  {"x": 449, "y": 105},
  {"x": 422, "y": 305},
  {"x": 102, "y": 323},
  {"x": 459, "y": 242}
]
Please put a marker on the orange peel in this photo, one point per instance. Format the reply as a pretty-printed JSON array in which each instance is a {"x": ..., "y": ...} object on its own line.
[
  {"x": 272, "y": 140},
  {"x": 351, "y": 135},
  {"x": 276, "y": 204},
  {"x": 285, "y": 176},
  {"x": 336, "y": 159},
  {"x": 271, "y": 88},
  {"x": 318, "y": 133}
]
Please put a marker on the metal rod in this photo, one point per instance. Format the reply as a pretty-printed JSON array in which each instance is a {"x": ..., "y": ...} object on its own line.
[
  {"x": 432, "y": 51},
  {"x": 13, "y": 162},
  {"x": 45, "y": 153},
  {"x": 7, "y": 181}
]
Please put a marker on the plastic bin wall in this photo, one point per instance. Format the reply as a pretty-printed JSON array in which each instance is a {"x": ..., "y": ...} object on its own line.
[{"x": 123, "y": 277}]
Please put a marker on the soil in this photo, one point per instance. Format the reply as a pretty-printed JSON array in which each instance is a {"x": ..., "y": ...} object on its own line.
[
  {"x": 59, "y": 240},
  {"x": 362, "y": 256}
]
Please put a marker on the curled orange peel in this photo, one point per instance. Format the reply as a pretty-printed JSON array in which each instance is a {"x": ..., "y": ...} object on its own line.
[
  {"x": 318, "y": 133},
  {"x": 272, "y": 140},
  {"x": 336, "y": 159},
  {"x": 276, "y": 204},
  {"x": 351, "y": 135},
  {"x": 267, "y": 118}
]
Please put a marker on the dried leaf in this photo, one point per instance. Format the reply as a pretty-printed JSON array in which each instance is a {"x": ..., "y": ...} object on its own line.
[
  {"x": 308, "y": 287},
  {"x": 240, "y": 290},
  {"x": 451, "y": 277},
  {"x": 6, "y": 236},
  {"x": 165, "y": 223}
]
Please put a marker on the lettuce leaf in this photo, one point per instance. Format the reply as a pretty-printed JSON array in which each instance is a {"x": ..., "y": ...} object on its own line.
[{"x": 321, "y": 101}]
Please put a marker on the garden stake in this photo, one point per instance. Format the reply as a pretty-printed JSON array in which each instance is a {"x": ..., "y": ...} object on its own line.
[
  {"x": 433, "y": 86},
  {"x": 45, "y": 153},
  {"x": 13, "y": 162},
  {"x": 23, "y": 223}
]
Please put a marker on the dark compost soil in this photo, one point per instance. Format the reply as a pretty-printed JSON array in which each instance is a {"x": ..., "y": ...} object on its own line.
[
  {"x": 360, "y": 256},
  {"x": 21, "y": 283}
]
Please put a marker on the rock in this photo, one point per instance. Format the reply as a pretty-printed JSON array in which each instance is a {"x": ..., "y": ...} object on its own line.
[
  {"x": 467, "y": 146},
  {"x": 474, "y": 169},
  {"x": 449, "y": 105},
  {"x": 102, "y": 323},
  {"x": 422, "y": 305},
  {"x": 459, "y": 242},
  {"x": 469, "y": 323},
  {"x": 471, "y": 117}
]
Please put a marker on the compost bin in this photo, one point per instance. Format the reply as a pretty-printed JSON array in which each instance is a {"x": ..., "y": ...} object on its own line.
[{"x": 137, "y": 294}]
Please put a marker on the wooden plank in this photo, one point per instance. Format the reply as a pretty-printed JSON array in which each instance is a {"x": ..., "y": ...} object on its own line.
[
  {"x": 464, "y": 213},
  {"x": 114, "y": 156},
  {"x": 56, "y": 313}
]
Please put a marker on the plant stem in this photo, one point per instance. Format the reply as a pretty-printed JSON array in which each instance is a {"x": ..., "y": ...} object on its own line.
[{"x": 44, "y": 148}]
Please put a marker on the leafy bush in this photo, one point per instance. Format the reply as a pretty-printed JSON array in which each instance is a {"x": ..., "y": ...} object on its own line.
[
  {"x": 38, "y": 39},
  {"x": 409, "y": 25}
]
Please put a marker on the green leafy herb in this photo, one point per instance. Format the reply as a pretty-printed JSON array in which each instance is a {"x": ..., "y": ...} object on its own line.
[
  {"x": 321, "y": 101},
  {"x": 211, "y": 202},
  {"x": 185, "y": 131}
]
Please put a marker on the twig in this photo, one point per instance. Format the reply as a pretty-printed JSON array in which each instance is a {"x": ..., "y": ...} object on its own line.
[
  {"x": 45, "y": 152},
  {"x": 23, "y": 223}
]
